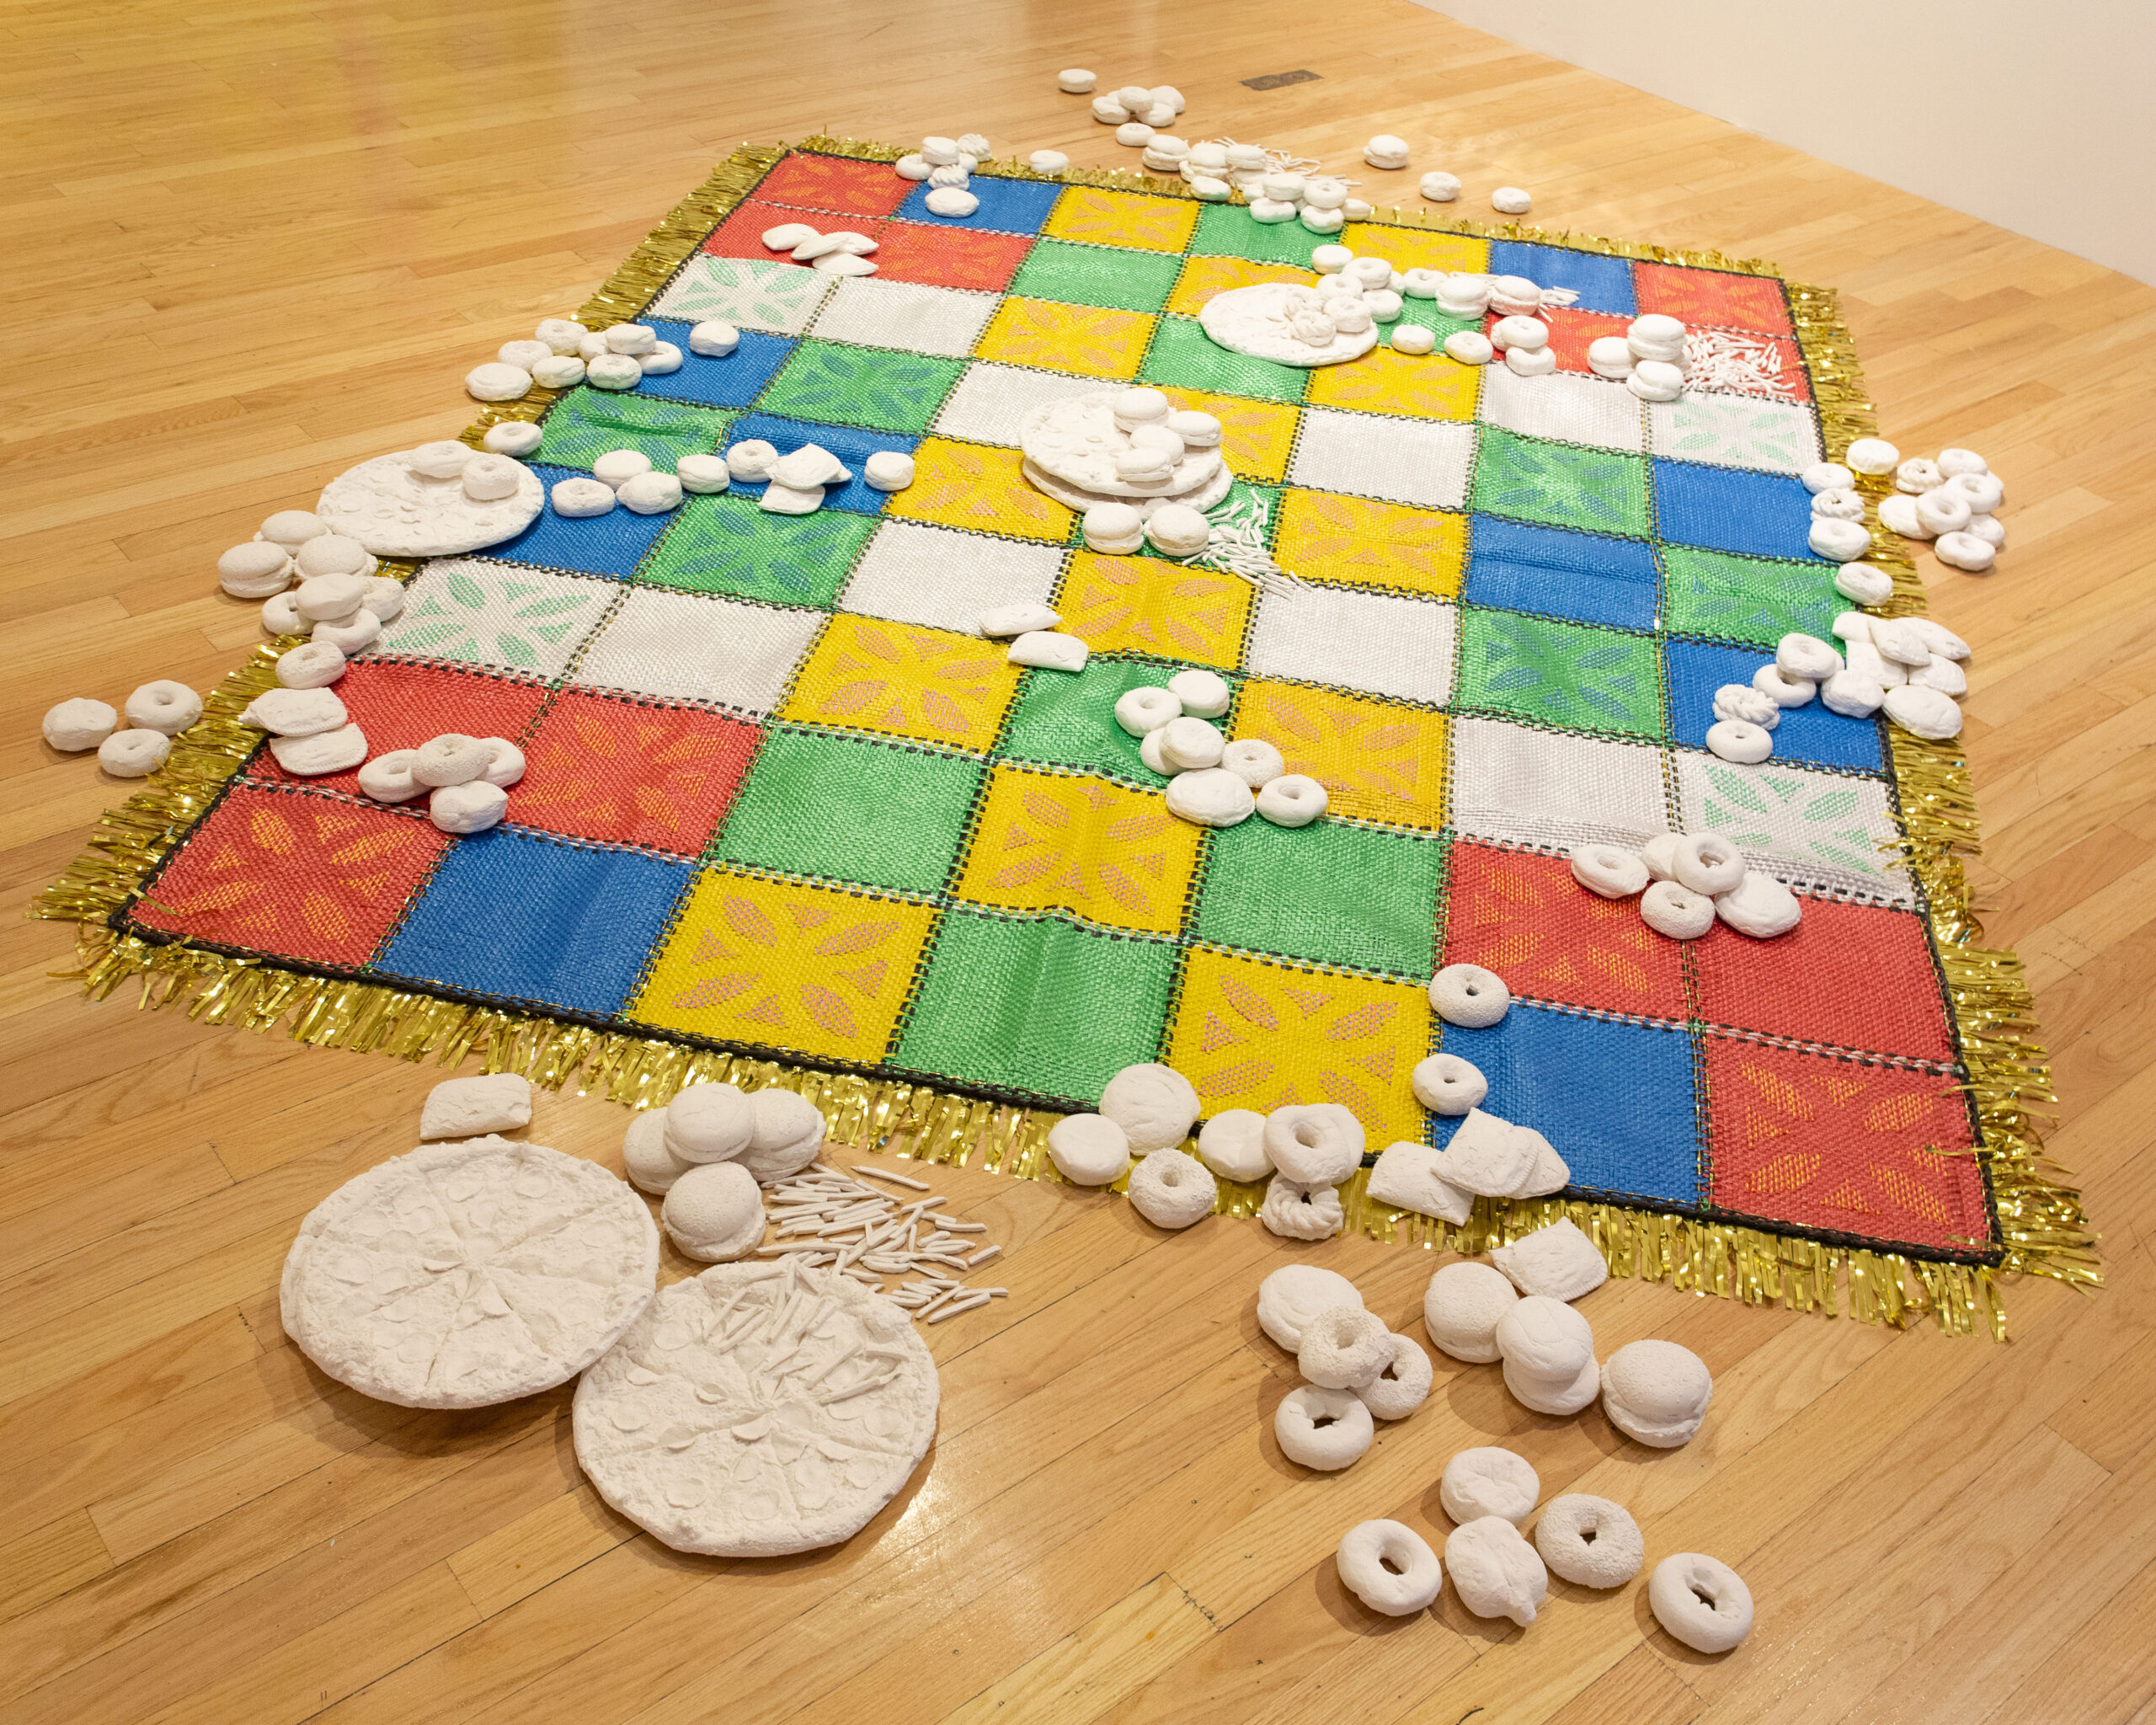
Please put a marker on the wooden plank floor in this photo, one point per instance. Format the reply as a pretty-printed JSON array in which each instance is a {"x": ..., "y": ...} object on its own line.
[{"x": 250, "y": 242}]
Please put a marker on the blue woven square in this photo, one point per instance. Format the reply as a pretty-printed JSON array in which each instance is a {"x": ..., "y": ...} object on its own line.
[
  {"x": 1614, "y": 1100},
  {"x": 1515, "y": 566},
  {"x": 732, "y": 382},
  {"x": 849, "y": 443},
  {"x": 1811, "y": 733},
  {"x": 524, "y": 918},
  {"x": 1602, "y": 284},
  {"x": 1007, "y": 206},
  {"x": 1730, "y": 509},
  {"x": 611, "y": 544}
]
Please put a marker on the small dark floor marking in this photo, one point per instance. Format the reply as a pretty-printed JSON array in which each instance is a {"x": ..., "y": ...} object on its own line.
[{"x": 1275, "y": 80}]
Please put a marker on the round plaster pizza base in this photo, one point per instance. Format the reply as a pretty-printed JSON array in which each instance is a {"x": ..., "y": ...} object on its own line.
[
  {"x": 1077, "y": 439},
  {"x": 758, "y": 1409},
  {"x": 395, "y": 512},
  {"x": 1254, "y": 320},
  {"x": 1078, "y": 497},
  {"x": 465, "y": 1274}
]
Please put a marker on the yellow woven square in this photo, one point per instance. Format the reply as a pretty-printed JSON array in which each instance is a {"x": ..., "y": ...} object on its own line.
[
  {"x": 1324, "y": 537},
  {"x": 1253, "y": 1035},
  {"x": 1090, "y": 340},
  {"x": 1411, "y": 248},
  {"x": 1149, "y": 605},
  {"x": 806, "y": 968},
  {"x": 1047, "y": 841},
  {"x": 1204, "y": 277},
  {"x": 1430, "y": 387},
  {"x": 1256, "y": 437},
  {"x": 1102, "y": 218},
  {"x": 1377, "y": 761},
  {"x": 969, "y": 485},
  {"x": 905, "y": 679}
]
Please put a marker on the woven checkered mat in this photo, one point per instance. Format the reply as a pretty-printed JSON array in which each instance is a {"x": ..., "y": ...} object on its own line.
[{"x": 783, "y": 800}]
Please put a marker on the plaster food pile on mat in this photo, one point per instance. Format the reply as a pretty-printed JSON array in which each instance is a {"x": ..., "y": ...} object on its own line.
[
  {"x": 1213, "y": 781},
  {"x": 841, "y": 252},
  {"x": 1686, "y": 882},
  {"x": 1358, "y": 1371},
  {"x": 562, "y": 353},
  {"x": 947, "y": 165},
  {"x": 156, "y": 713}
]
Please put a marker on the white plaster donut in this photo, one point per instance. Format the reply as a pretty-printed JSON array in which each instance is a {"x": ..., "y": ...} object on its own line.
[
  {"x": 496, "y": 382},
  {"x": 1852, "y": 695},
  {"x": 1314, "y": 1144},
  {"x": 1781, "y": 688},
  {"x": 1191, "y": 744},
  {"x": 1390, "y": 1567},
  {"x": 1610, "y": 871},
  {"x": 163, "y": 706},
  {"x": 452, "y": 759},
  {"x": 1924, "y": 713},
  {"x": 1402, "y": 1385},
  {"x": 1826, "y": 476},
  {"x": 313, "y": 665},
  {"x": 1760, "y": 905},
  {"x": 134, "y": 754},
  {"x": 1414, "y": 339},
  {"x": 1989, "y": 529},
  {"x": 1141, "y": 710},
  {"x": 1589, "y": 1542},
  {"x": 1489, "y": 1481},
  {"x": 1508, "y": 332},
  {"x": 329, "y": 598},
  {"x": 1530, "y": 361},
  {"x": 385, "y": 596},
  {"x": 1677, "y": 911},
  {"x": 1700, "y": 1601},
  {"x": 1446, "y": 1084},
  {"x": 1965, "y": 551},
  {"x": 1839, "y": 542},
  {"x": 1862, "y": 584},
  {"x": 1806, "y": 656},
  {"x": 1462, "y": 1308},
  {"x": 617, "y": 467},
  {"x": 1706, "y": 862},
  {"x": 1657, "y": 1392},
  {"x": 1088, "y": 1150},
  {"x": 1149, "y": 751},
  {"x": 1839, "y": 504},
  {"x": 1233, "y": 1145},
  {"x": 1470, "y": 996},
  {"x": 652, "y": 1166},
  {"x": 1494, "y": 1571},
  {"x": 1917, "y": 476},
  {"x": 1659, "y": 853},
  {"x": 1753, "y": 706},
  {"x": 1289, "y": 1298},
  {"x": 1076, "y": 80},
  {"x": 1344, "y": 1347},
  {"x": 708, "y": 1123},
  {"x": 1256, "y": 762},
  {"x": 612, "y": 370},
  {"x": 714, "y": 1212},
  {"x": 1211, "y": 797},
  {"x": 1325, "y": 1429},
  {"x": 1155, "y": 1105},
  {"x": 507, "y": 766},
  {"x": 1983, "y": 492},
  {"x": 1898, "y": 513},
  {"x": 1294, "y": 1211},
  {"x": 475, "y": 806},
  {"x": 349, "y": 635},
  {"x": 280, "y": 616},
  {"x": 1511, "y": 200},
  {"x": 388, "y": 778},
  {"x": 1953, "y": 462},
  {"x": 1172, "y": 1190},
  {"x": 1291, "y": 799},
  {"x": 1871, "y": 455},
  {"x": 1941, "y": 511}
]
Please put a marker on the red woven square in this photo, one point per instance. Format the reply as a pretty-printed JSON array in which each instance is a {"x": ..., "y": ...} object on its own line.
[
  {"x": 1569, "y": 333},
  {"x": 401, "y": 705},
  {"x": 1754, "y": 302},
  {"x": 1525, "y": 918},
  {"x": 835, "y": 185},
  {"x": 1827, "y": 1143},
  {"x": 950, "y": 257},
  {"x": 741, "y": 235},
  {"x": 317, "y": 879},
  {"x": 606, "y": 768},
  {"x": 1858, "y": 976}
]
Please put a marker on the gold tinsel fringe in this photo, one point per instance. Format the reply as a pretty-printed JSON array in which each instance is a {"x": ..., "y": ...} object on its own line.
[{"x": 2043, "y": 1230}]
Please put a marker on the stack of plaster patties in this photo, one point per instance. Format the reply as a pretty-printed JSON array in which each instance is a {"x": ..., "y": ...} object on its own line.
[
  {"x": 707, "y": 1151},
  {"x": 562, "y": 353},
  {"x": 947, "y": 165},
  {"x": 1648, "y": 357},
  {"x": 1519, "y": 333},
  {"x": 1356, "y": 1370}
]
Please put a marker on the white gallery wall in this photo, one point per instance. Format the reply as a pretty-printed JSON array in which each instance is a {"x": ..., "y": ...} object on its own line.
[{"x": 2040, "y": 118}]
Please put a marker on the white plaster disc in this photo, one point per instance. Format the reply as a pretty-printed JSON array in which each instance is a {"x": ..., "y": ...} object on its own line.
[
  {"x": 758, "y": 1409},
  {"x": 1216, "y": 486},
  {"x": 395, "y": 511},
  {"x": 464, "y": 1274},
  {"x": 1256, "y": 321},
  {"x": 1077, "y": 439}
]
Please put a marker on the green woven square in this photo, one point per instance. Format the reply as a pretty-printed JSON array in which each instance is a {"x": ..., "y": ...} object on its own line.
[
  {"x": 1337, "y": 894},
  {"x": 1114, "y": 276},
  {"x": 1744, "y": 598},
  {"x": 1563, "y": 674},
  {"x": 885, "y": 813},
  {"x": 586, "y": 423},
  {"x": 727, "y": 544},
  {"x": 1070, "y": 720},
  {"x": 1560, "y": 485},
  {"x": 1184, "y": 356},
  {"x": 995, "y": 1007},
  {"x": 1230, "y": 230},
  {"x": 879, "y": 387}
]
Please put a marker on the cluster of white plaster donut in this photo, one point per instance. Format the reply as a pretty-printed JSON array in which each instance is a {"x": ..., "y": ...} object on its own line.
[
  {"x": 794, "y": 484},
  {"x": 465, "y": 780},
  {"x": 156, "y": 713},
  {"x": 1357, "y": 1371},
  {"x": 947, "y": 165},
  {"x": 1685, "y": 882},
  {"x": 562, "y": 353},
  {"x": 1211, "y": 781},
  {"x": 1951, "y": 501}
]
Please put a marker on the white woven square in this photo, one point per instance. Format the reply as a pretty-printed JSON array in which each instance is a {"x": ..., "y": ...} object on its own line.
[
  {"x": 1813, "y": 828},
  {"x": 1376, "y": 455},
  {"x": 990, "y": 401},
  {"x": 912, "y": 573},
  {"x": 496, "y": 614},
  {"x": 1568, "y": 408},
  {"x": 1532, "y": 787},
  {"x": 906, "y": 315},
  {"x": 751, "y": 293},
  {"x": 1735, "y": 432},
  {"x": 1381, "y": 643},
  {"x": 686, "y": 647}
]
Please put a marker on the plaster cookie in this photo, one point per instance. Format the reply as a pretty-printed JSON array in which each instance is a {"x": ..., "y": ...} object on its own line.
[
  {"x": 1283, "y": 323},
  {"x": 388, "y": 778},
  {"x": 1759, "y": 906},
  {"x": 1076, "y": 80},
  {"x": 452, "y": 759},
  {"x": 1172, "y": 1190},
  {"x": 514, "y": 437},
  {"x": 1589, "y": 1542},
  {"x": 134, "y": 754},
  {"x": 385, "y": 596},
  {"x": 1559, "y": 1400},
  {"x": 496, "y": 382},
  {"x": 1089, "y": 1149},
  {"x": 1840, "y": 542},
  {"x": 1659, "y": 853},
  {"x": 1489, "y": 1481},
  {"x": 714, "y": 1213},
  {"x": 1469, "y": 995},
  {"x": 1323, "y": 1429},
  {"x": 1046, "y": 650},
  {"x": 1439, "y": 188},
  {"x": 652, "y": 1166},
  {"x": 1344, "y": 1347},
  {"x": 1233, "y": 1145},
  {"x": 1700, "y": 1601},
  {"x": 295, "y": 713},
  {"x": 470, "y": 1108},
  {"x": 1657, "y": 1392},
  {"x": 1826, "y": 476},
  {"x": 475, "y": 806},
  {"x": 1610, "y": 871},
  {"x": 1494, "y": 1571},
  {"x": 1545, "y": 1341},
  {"x": 1656, "y": 380},
  {"x": 394, "y": 509},
  {"x": 461, "y": 1275},
  {"x": 1291, "y": 799},
  {"x": 292, "y": 528},
  {"x": 1924, "y": 713},
  {"x": 164, "y": 705},
  {"x": 650, "y": 493},
  {"x": 704, "y": 475},
  {"x": 255, "y": 570},
  {"x": 1871, "y": 455},
  {"x": 1446, "y": 1084},
  {"x": 1489, "y": 1156},
  {"x": 1212, "y": 797},
  {"x": 785, "y": 1133},
  {"x": 1020, "y": 619},
  {"x": 1863, "y": 584},
  {"x": 1558, "y": 1261},
  {"x": 1155, "y": 1105},
  {"x": 1463, "y": 1307},
  {"x": 1296, "y": 1212},
  {"x": 757, "y": 1410},
  {"x": 333, "y": 554},
  {"x": 1313, "y": 1144},
  {"x": 709, "y": 1123},
  {"x": 313, "y": 665},
  {"x": 1410, "y": 1176},
  {"x": 1852, "y": 695},
  {"x": 1289, "y": 1298},
  {"x": 1511, "y": 200},
  {"x": 1389, "y": 1567},
  {"x": 1176, "y": 530},
  {"x": 1965, "y": 551},
  {"x": 1898, "y": 513},
  {"x": 1191, "y": 744}
]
